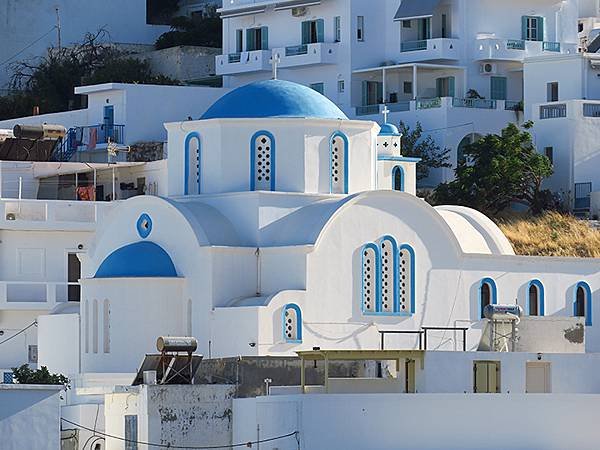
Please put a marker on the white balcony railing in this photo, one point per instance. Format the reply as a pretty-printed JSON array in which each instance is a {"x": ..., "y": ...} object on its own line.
[
  {"x": 32, "y": 295},
  {"x": 244, "y": 62},
  {"x": 307, "y": 54},
  {"x": 430, "y": 49},
  {"x": 489, "y": 48},
  {"x": 437, "y": 103}
]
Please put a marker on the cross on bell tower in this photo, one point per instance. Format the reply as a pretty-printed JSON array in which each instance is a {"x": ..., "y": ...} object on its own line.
[{"x": 385, "y": 113}]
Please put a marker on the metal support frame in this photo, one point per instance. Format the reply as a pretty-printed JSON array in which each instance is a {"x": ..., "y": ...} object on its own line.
[{"x": 422, "y": 333}]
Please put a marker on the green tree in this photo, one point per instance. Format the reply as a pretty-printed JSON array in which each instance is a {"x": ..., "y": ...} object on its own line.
[
  {"x": 414, "y": 145},
  {"x": 198, "y": 31},
  {"x": 499, "y": 170},
  {"x": 25, "y": 375}
]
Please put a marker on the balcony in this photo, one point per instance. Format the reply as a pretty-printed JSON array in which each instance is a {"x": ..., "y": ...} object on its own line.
[
  {"x": 553, "y": 111},
  {"x": 573, "y": 110},
  {"x": 476, "y": 103},
  {"x": 244, "y": 62},
  {"x": 429, "y": 50},
  {"x": 307, "y": 54},
  {"x": 32, "y": 295},
  {"x": 489, "y": 48},
  {"x": 448, "y": 104}
]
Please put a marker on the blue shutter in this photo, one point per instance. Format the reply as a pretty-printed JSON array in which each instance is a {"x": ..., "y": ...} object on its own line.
[
  {"x": 451, "y": 86},
  {"x": 249, "y": 40},
  {"x": 320, "y": 30},
  {"x": 540, "y": 28},
  {"x": 498, "y": 88},
  {"x": 305, "y": 33},
  {"x": 264, "y": 33},
  {"x": 439, "y": 87},
  {"x": 524, "y": 28}
]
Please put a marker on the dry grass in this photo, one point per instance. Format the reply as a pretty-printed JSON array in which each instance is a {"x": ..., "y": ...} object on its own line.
[{"x": 552, "y": 234}]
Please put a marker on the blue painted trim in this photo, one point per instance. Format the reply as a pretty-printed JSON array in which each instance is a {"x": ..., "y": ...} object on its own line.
[
  {"x": 493, "y": 293},
  {"x": 298, "y": 323},
  {"x": 346, "y": 147},
  {"x": 398, "y": 158},
  {"x": 395, "y": 287},
  {"x": 402, "y": 177},
  {"x": 144, "y": 231},
  {"x": 376, "y": 278},
  {"x": 143, "y": 259},
  {"x": 413, "y": 277},
  {"x": 188, "y": 140},
  {"x": 541, "y": 297},
  {"x": 253, "y": 158},
  {"x": 588, "y": 302}
]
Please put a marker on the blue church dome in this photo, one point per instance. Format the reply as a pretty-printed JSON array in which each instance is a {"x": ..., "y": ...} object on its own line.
[
  {"x": 139, "y": 260},
  {"x": 274, "y": 98},
  {"x": 388, "y": 129}
]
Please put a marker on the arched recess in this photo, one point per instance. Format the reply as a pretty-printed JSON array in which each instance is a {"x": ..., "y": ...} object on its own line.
[
  {"x": 407, "y": 280},
  {"x": 193, "y": 159},
  {"x": 388, "y": 250},
  {"x": 262, "y": 161},
  {"x": 488, "y": 295},
  {"x": 371, "y": 269},
  {"x": 535, "y": 303},
  {"x": 292, "y": 323},
  {"x": 469, "y": 139},
  {"x": 338, "y": 163},
  {"x": 398, "y": 178},
  {"x": 582, "y": 303}
]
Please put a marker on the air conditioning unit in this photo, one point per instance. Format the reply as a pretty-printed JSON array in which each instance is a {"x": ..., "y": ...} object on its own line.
[
  {"x": 488, "y": 69},
  {"x": 299, "y": 11}
]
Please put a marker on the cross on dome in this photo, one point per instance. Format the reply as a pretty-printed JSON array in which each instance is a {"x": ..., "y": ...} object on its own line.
[{"x": 385, "y": 112}]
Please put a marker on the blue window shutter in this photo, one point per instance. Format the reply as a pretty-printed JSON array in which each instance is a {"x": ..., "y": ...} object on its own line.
[
  {"x": 249, "y": 40},
  {"x": 540, "y": 28},
  {"x": 524, "y": 28},
  {"x": 305, "y": 33},
  {"x": 451, "y": 86},
  {"x": 320, "y": 30},
  {"x": 439, "y": 87},
  {"x": 498, "y": 88},
  {"x": 264, "y": 33}
]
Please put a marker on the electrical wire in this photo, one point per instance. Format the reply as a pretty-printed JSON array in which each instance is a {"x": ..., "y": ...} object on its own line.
[
  {"x": 19, "y": 332},
  {"x": 28, "y": 46},
  {"x": 244, "y": 444}
]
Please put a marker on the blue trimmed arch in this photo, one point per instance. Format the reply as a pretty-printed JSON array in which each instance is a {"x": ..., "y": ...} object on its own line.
[
  {"x": 374, "y": 277},
  {"x": 255, "y": 136},
  {"x": 587, "y": 306},
  {"x": 541, "y": 297},
  {"x": 395, "y": 171},
  {"x": 345, "y": 152},
  {"x": 298, "y": 311},
  {"x": 390, "y": 240},
  {"x": 413, "y": 286},
  {"x": 188, "y": 141},
  {"x": 493, "y": 294}
]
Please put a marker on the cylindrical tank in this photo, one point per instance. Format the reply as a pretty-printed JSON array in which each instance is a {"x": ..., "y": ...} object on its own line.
[
  {"x": 176, "y": 344},
  {"x": 39, "y": 131},
  {"x": 502, "y": 312}
]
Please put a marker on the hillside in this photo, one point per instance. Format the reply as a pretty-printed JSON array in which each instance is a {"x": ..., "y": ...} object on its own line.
[{"x": 552, "y": 234}]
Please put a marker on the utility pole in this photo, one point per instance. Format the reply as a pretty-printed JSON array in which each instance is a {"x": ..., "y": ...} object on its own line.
[{"x": 58, "y": 28}]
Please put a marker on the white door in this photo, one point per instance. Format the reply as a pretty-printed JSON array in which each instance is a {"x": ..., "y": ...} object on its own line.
[{"x": 538, "y": 378}]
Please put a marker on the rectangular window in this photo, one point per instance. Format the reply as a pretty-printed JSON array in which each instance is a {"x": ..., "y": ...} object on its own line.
[
  {"x": 319, "y": 87},
  {"x": 486, "y": 377},
  {"x": 341, "y": 86},
  {"x": 73, "y": 277},
  {"x": 552, "y": 92},
  {"x": 549, "y": 152},
  {"x": 360, "y": 28},
  {"x": 131, "y": 432},
  {"x": 239, "y": 41},
  {"x": 372, "y": 93},
  {"x": 408, "y": 87},
  {"x": 445, "y": 87},
  {"x": 424, "y": 29},
  {"x": 407, "y": 24},
  {"x": 498, "y": 88},
  {"x": 444, "y": 26},
  {"x": 313, "y": 31},
  {"x": 532, "y": 28},
  {"x": 257, "y": 39},
  {"x": 337, "y": 29}
]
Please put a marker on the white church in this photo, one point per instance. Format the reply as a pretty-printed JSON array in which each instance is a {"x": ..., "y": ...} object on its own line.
[{"x": 288, "y": 227}]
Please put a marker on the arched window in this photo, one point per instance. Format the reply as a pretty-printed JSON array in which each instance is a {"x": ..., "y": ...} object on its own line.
[
  {"x": 262, "y": 162},
  {"x": 487, "y": 295},
  {"x": 338, "y": 164},
  {"x": 370, "y": 278},
  {"x": 406, "y": 286},
  {"x": 292, "y": 323},
  {"x": 582, "y": 305},
  {"x": 535, "y": 299},
  {"x": 398, "y": 179},
  {"x": 192, "y": 157},
  {"x": 388, "y": 250}
]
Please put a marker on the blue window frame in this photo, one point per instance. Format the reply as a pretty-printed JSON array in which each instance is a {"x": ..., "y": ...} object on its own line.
[
  {"x": 371, "y": 274},
  {"x": 535, "y": 300},
  {"x": 407, "y": 280},
  {"x": 488, "y": 295},
  {"x": 398, "y": 178},
  {"x": 192, "y": 165},
  {"x": 582, "y": 303},
  {"x": 338, "y": 163},
  {"x": 388, "y": 251},
  {"x": 292, "y": 323},
  {"x": 262, "y": 161}
]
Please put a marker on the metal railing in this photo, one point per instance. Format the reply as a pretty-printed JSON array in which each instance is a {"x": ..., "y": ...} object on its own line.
[
  {"x": 591, "y": 110},
  {"x": 553, "y": 111},
  {"x": 368, "y": 110},
  {"x": 515, "y": 44},
  {"x": 513, "y": 106},
  {"x": 413, "y": 46},
  {"x": 473, "y": 103},
  {"x": 551, "y": 47},
  {"x": 87, "y": 138},
  {"x": 234, "y": 58},
  {"x": 296, "y": 50},
  {"x": 423, "y": 335},
  {"x": 399, "y": 106},
  {"x": 429, "y": 103}
]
